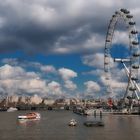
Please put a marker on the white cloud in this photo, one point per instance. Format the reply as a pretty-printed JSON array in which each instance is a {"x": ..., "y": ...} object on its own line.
[
  {"x": 33, "y": 82},
  {"x": 92, "y": 87},
  {"x": 48, "y": 69},
  {"x": 95, "y": 60},
  {"x": 15, "y": 80},
  {"x": 121, "y": 37},
  {"x": 8, "y": 72},
  {"x": 70, "y": 85},
  {"x": 54, "y": 88},
  {"x": 67, "y": 75},
  {"x": 34, "y": 86}
]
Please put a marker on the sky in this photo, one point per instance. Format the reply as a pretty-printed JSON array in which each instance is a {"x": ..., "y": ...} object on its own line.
[{"x": 55, "y": 48}]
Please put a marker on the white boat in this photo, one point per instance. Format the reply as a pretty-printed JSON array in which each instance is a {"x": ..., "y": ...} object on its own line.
[
  {"x": 31, "y": 115},
  {"x": 72, "y": 122},
  {"x": 11, "y": 109}
]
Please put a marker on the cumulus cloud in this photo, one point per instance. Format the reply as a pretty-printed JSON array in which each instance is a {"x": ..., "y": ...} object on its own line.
[
  {"x": 54, "y": 88},
  {"x": 70, "y": 85},
  {"x": 15, "y": 80},
  {"x": 8, "y": 72},
  {"x": 121, "y": 37},
  {"x": 67, "y": 75},
  {"x": 95, "y": 60},
  {"x": 48, "y": 69},
  {"x": 92, "y": 87}
]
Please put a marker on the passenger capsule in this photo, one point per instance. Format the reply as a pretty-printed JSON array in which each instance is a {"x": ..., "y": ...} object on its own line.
[
  {"x": 107, "y": 40},
  {"x": 125, "y": 11},
  {"x": 135, "y": 66},
  {"x": 122, "y": 10},
  {"x": 135, "y": 43},
  {"x": 132, "y": 23},
  {"x": 134, "y": 78},
  {"x": 134, "y": 32},
  {"x": 116, "y": 12},
  {"x": 136, "y": 54},
  {"x": 132, "y": 88},
  {"x": 113, "y": 16},
  {"x": 129, "y": 16}
]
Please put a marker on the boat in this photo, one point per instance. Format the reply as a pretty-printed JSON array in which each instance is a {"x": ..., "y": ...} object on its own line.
[
  {"x": 72, "y": 122},
  {"x": 93, "y": 123},
  {"x": 11, "y": 109},
  {"x": 31, "y": 115}
]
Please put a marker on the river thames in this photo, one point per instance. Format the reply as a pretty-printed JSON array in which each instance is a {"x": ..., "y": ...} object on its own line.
[{"x": 53, "y": 125}]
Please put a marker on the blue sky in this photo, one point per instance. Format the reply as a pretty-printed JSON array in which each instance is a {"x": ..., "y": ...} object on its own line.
[{"x": 56, "y": 48}]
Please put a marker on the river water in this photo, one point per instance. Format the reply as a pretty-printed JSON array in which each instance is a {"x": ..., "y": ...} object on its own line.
[{"x": 54, "y": 126}]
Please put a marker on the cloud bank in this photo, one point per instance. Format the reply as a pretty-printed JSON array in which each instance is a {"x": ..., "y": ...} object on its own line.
[
  {"x": 58, "y": 27},
  {"x": 15, "y": 80}
]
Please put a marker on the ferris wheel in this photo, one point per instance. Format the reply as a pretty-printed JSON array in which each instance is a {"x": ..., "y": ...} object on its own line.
[{"x": 131, "y": 62}]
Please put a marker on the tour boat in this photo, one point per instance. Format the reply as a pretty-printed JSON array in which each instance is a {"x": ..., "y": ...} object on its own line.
[
  {"x": 72, "y": 122},
  {"x": 31, "y": 115}
]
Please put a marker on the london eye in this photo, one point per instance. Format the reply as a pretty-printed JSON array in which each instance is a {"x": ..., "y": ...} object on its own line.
[{"x": 130, "y": 64}]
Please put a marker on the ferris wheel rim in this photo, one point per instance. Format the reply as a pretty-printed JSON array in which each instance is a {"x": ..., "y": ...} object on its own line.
[{"x": 133, "y": 43}]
